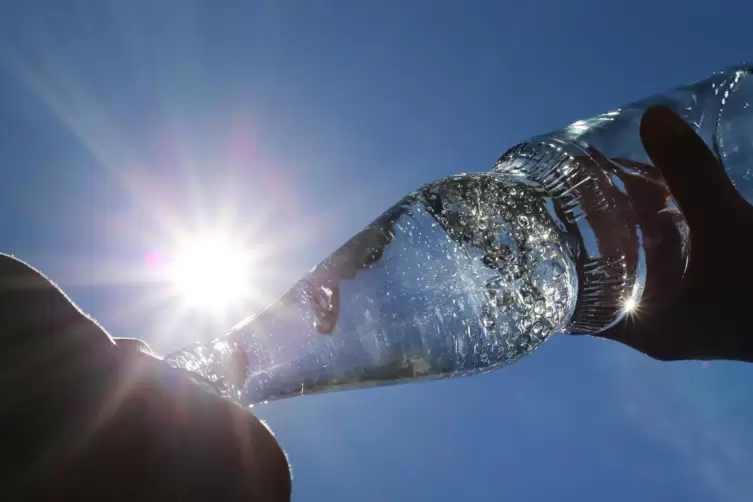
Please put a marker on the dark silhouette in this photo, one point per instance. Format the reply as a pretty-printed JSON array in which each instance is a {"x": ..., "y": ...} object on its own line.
[
  {"x": 86, "y": 417},
  {"x": 708, "y": 318}
]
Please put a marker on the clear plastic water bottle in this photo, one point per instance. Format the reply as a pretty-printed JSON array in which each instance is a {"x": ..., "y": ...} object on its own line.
[{"x": 473, "y": 271}]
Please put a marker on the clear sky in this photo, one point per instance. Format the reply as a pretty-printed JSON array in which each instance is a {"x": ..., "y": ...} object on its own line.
[{"x": 293, "y": 124}]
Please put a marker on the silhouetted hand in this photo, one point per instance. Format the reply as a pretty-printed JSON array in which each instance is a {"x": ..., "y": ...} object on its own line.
[
  {"x": 83, "y": 417},
  {"x": 710, "y": 317}
]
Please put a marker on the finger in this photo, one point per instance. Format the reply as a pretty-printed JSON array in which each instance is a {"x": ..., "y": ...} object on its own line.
[{"x": 694, "y": 176}]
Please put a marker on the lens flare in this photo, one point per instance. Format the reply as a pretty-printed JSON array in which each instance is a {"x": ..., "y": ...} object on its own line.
[
  {"x": 630, "y": 304},
  {"x": 210, "y": 273}
]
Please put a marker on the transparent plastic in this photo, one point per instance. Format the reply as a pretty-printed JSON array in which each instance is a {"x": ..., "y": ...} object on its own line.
[
  {"x": 617, "y": 203},
  {"x": 465, "y": 275},
  {"x": 474, "y": 271}
]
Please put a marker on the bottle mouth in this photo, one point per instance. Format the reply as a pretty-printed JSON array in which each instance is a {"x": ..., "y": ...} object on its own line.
[{"x": 598, "y": 217}]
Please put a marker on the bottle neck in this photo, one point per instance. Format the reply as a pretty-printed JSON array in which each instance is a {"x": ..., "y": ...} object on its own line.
[{"x": 621, "y": 220}]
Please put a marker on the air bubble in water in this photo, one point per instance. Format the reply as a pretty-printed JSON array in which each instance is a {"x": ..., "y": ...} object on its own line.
[{"x": 487, "y": 321}]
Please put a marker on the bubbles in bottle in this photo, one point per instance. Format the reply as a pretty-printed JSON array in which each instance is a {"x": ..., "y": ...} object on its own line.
[{"x": 467, "y": 274}]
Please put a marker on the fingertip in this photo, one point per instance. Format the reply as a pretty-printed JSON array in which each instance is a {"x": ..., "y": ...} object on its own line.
[
  {"x": 693, "y": 174},
  {"x": 670, "y": 142},
  {"x": 661, "y": 122}
]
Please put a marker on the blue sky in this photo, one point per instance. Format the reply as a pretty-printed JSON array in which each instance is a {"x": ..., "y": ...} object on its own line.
[{"x": 295, "y": 123}]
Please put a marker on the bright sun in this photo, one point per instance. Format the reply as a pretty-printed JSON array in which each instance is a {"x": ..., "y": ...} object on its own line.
[{"x": 210, "y": 273}]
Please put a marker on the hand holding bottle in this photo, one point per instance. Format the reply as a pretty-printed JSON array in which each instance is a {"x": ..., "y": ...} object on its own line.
[{"x": 709, "y": 319}]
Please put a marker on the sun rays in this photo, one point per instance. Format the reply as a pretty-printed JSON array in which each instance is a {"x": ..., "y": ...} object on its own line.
[{"x": 210, "y": 273}]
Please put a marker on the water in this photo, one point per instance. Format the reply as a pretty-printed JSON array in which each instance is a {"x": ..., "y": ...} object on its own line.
[{"x": 465, "y": 275}]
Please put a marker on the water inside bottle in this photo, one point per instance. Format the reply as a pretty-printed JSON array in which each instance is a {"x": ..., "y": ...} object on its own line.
[{"x": 465, "y": 275}]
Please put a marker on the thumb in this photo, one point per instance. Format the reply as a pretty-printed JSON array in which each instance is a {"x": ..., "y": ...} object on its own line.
[{"x": 694, "y": 176}]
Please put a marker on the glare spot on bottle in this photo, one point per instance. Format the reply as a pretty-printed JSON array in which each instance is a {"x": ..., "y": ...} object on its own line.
[{"x": 630, "y": 305}]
